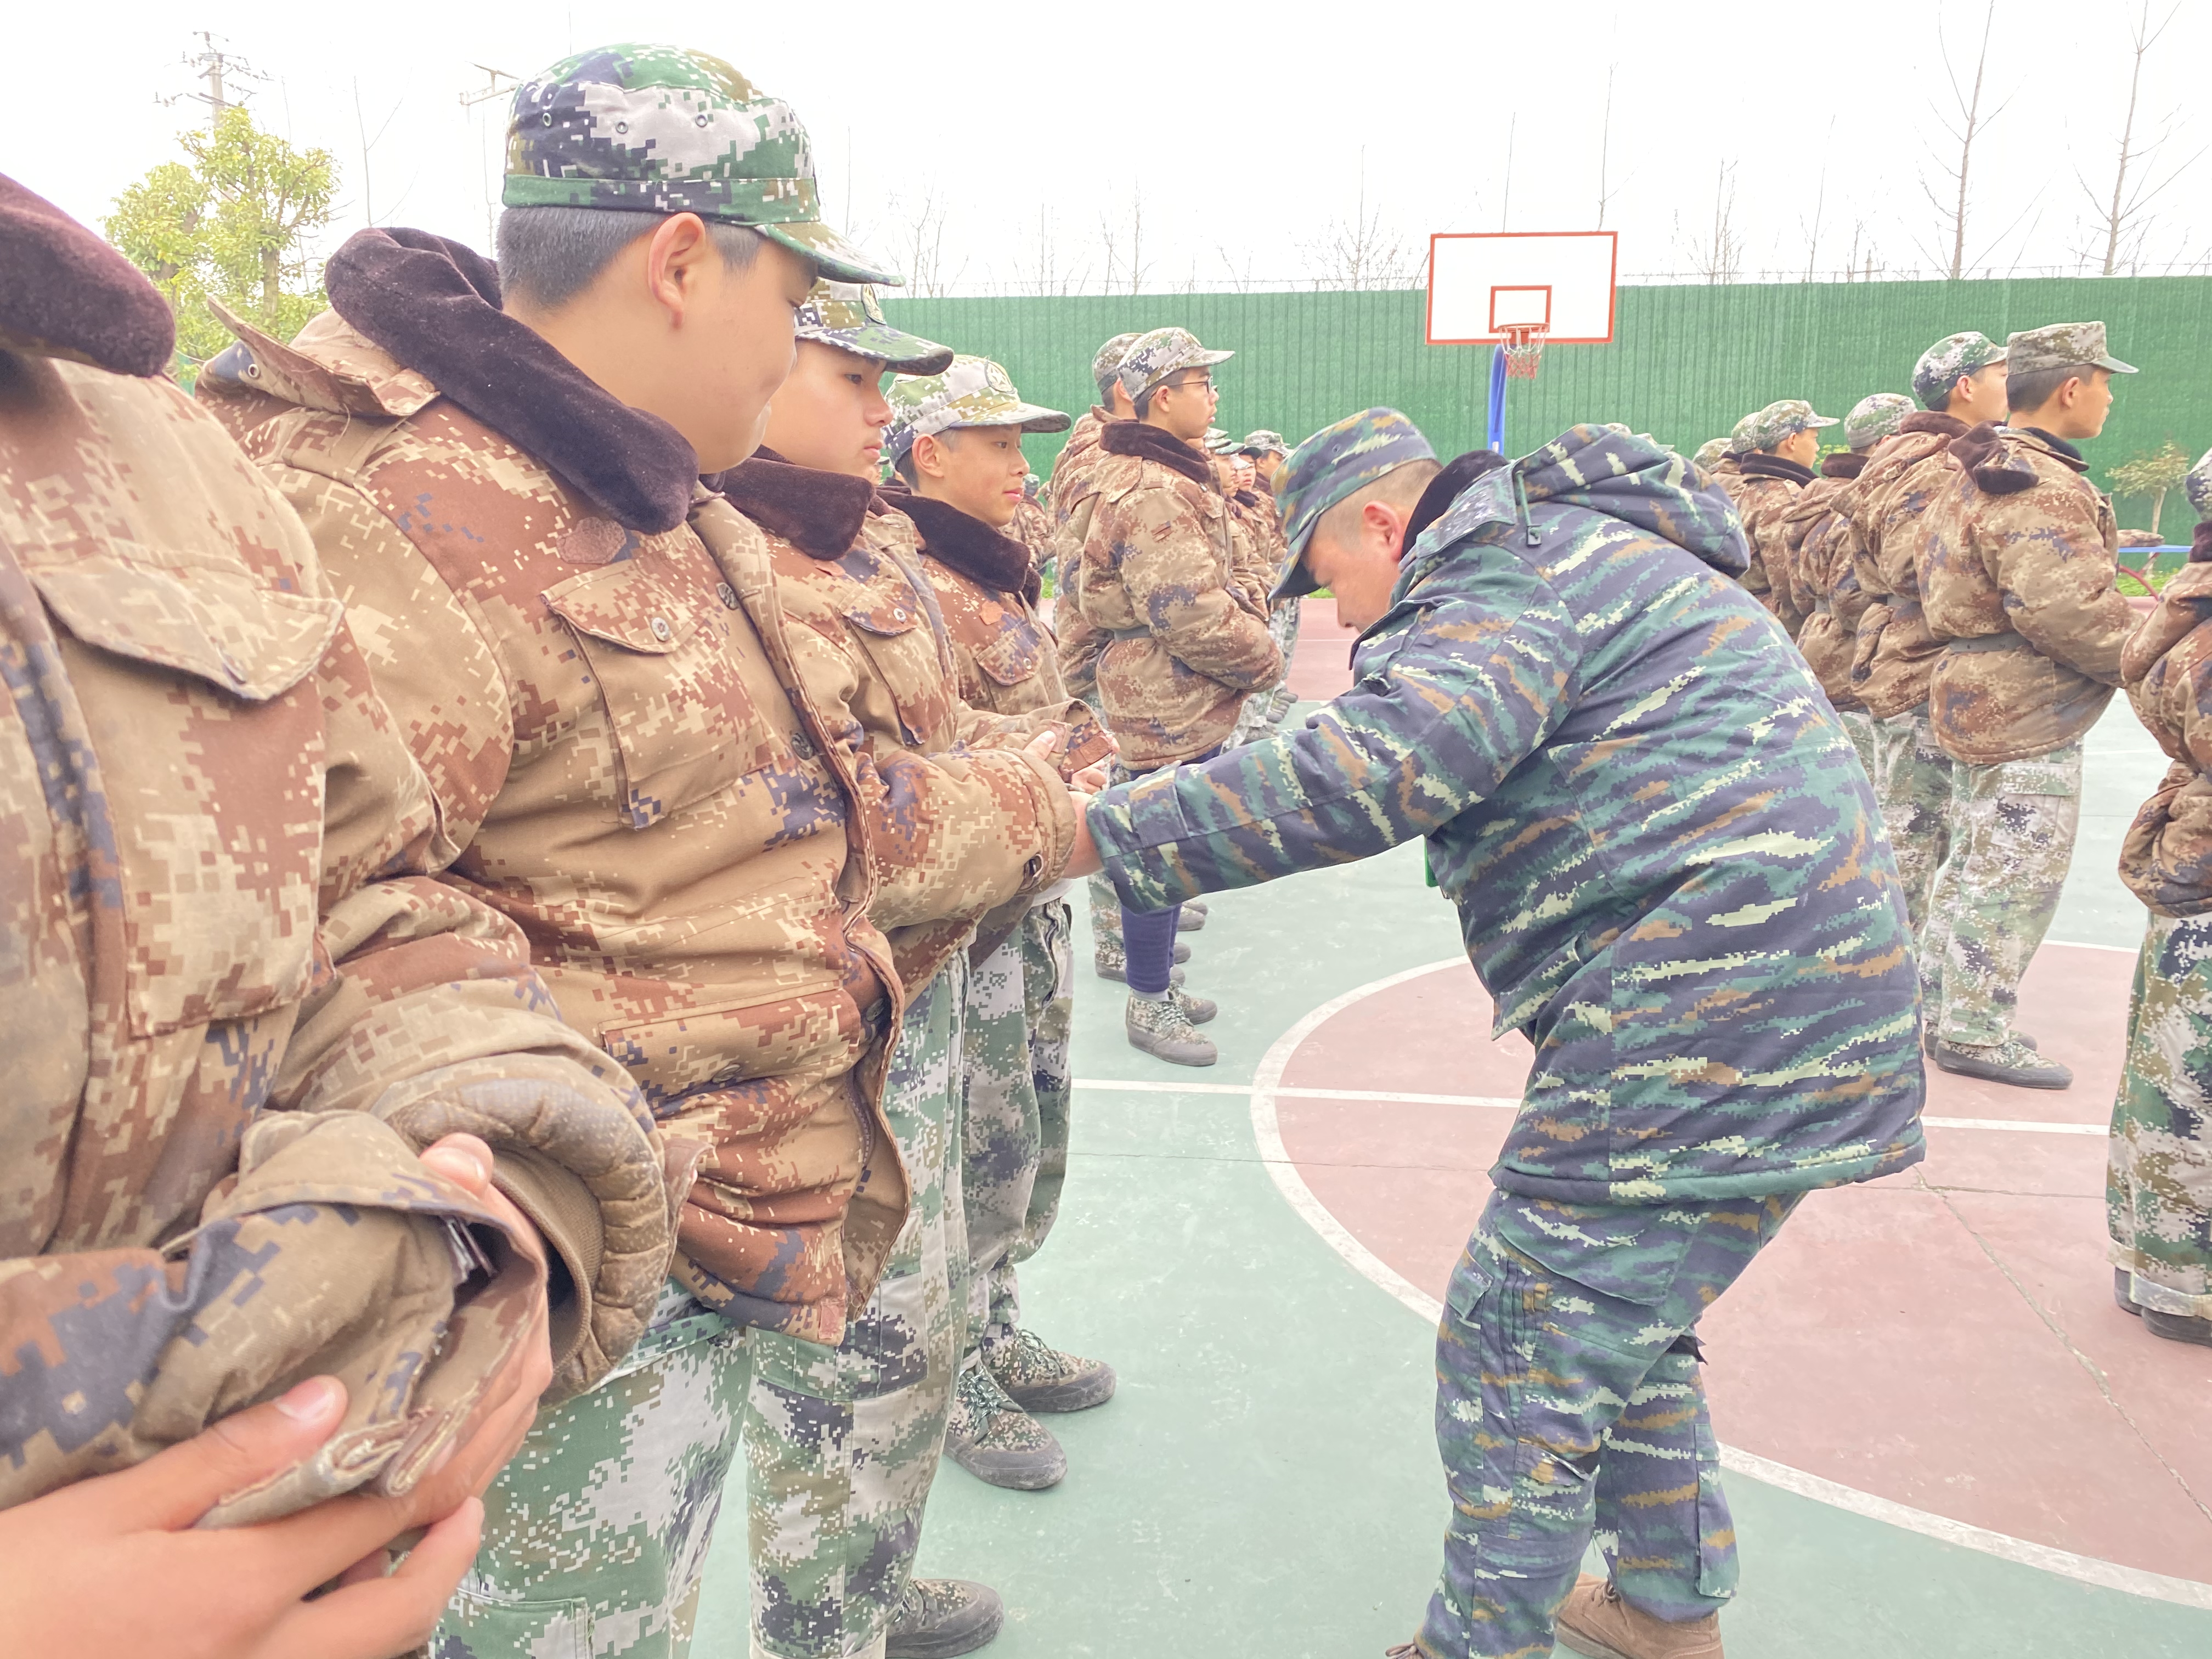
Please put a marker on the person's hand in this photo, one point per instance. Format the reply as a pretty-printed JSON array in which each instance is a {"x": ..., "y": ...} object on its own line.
[
  {"x": 112, "y": 1566},
  {"x": 1091, "y": 780},
  {"x": 1044, "y": 746},
  {"x": 1083, "y": 859}
]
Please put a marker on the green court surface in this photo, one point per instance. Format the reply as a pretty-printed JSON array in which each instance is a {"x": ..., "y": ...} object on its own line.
[{"x": 1266, "y": 1481}]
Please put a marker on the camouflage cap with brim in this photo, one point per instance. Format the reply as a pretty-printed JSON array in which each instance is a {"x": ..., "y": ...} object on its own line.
[
  {"x": 657, "y": 128},
  {"x": 1942, "y": 363},
  {"x": 2063, "y": 345},
  {"x": 1783, "y": 419},
  {"x": 1263, "y": 442},
  {"x": 1152, "y": 357},
  {"x": 1336, "y": 462},
  {"x": 1874, "y": 417},
  {"x": 846, "y": 315},
  {"x": 1739, "y": 440},
  {"x": 971, "y": 391},
  {"x": 1108, "y": 362}
]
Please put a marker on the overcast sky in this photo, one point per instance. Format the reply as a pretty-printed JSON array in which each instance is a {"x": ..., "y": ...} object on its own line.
[{"x": 1246, "y": 135}]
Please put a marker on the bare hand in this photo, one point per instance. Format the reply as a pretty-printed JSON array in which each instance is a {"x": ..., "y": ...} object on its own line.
[
  {"x": 1091, "y": 780},
  {"x": 1083, "y": 858}
]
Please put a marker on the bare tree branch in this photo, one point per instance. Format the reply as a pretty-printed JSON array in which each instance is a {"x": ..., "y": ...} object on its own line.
[
  {"x": 1361, "y": 253},
  {"x": 2123, "y": 220},
  {"x": 1718, "y": 257},
  {"x": 1954, "y": 214}
]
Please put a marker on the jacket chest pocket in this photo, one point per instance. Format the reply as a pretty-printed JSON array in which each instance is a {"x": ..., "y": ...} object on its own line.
[
  {"x": 1013, "y": 657},
  {"x": 681, "y": 721},
  {"x": 209, "y": 741},
  {"x": 906, "y": 657}
]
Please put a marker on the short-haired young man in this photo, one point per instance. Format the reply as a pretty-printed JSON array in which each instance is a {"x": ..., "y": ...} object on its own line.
[
  {"x": 588, "y": 652},
  {"x": 2019, "y": 577},
  {"x": 1634, "y": 793},
  {"x": 957, "y": 437},
  {"x": 1185, "y": 644},
  {"x": 1817, "y": 540},
  {"x": 1960, "y": 382},
  {"x": 1785, "y": 439}
]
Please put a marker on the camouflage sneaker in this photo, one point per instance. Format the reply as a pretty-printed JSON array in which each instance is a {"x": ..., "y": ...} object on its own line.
[
  {"x": 1166, "y": 1028},
  {"x": 996, "y": 1441},
  {"x": 940, "y": 1618},
  {"x": 2013, "y": 1062},
  {"x": 1111, "y": 961},
  {"x": 1038, "y": 1377},
  {"x": 1595, "y": 1621}
]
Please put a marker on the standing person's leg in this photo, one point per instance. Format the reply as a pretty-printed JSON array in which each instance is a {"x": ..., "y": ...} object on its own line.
[
  {"x": 1913, "y": 787},
  {"x": 2158, "y": 1185},
  {"x": 2015, "y": 826},
  {"x": 842, "y": 1444},
  {"x": 1859, "y": 727},
  {"x": 595, "y": 1535},
  {"x": 1162, "y": 1017},
  {"x": 1558, "y": 1319}
]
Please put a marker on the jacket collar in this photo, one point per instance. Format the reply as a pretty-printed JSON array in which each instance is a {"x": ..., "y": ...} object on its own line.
[
  {"x": 1845, "y": 464},
  {"x": 1933, "y": 420},
  {"x": 1758, "y": 465},
  {"x": 2058, "y": 445},
  {"x": 1153, "y": 443},
  {"x": 1997, "y": 459},
  {"x": 69, "y": 294},
  {"x": 434, "y": 305},
  {"x": 818, "y": 513},
  {"x": 965, "y": 544}
]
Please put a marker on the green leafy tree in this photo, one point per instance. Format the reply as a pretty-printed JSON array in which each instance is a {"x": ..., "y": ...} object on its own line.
[
  {"x": 232, "y": 222},
  {"x": 2151, "y": 473}
]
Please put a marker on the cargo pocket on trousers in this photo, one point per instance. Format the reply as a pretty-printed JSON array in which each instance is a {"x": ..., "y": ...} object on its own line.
[
  {"x": 1717, "y": 1559},
  {"x": 477, "y": 1625}
]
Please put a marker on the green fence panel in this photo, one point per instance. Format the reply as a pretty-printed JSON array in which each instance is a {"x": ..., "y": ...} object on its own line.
[{"x": 1686, "y": 361}]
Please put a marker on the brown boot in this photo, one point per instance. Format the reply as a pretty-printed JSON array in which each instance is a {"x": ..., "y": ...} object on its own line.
[{"x": 1595, "y": 1621}]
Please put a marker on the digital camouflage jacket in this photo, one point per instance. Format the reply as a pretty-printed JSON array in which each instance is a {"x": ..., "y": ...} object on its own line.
[
  {"x": 2166, "y": 858},
  {"x": 1260, "y": 552},
  {"x": 591, "y": 655},
  {"x": 1764, "y": 490},
  {"x": 1073, "y": 502},
  {"x": 2019, "y": 578},
  {"x": 969, "y": 821},
  {"x": 1894, "y": 653},
  {"x": 1824, "y": 584},
  {"x": 234, "y": 1006},
  {"x": 1186, "y": 642},
  {"x": 1664, "y": 850}
]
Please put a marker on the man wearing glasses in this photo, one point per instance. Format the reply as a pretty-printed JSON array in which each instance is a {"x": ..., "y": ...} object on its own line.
[{"x": 1184, "y": 644}]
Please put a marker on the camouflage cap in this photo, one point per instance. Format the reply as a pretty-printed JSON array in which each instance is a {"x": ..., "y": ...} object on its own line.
[
  {"x": 1264, "y": 443},
  {"x": 1108, "y": 359},
  {"x": 1152, "y": 357},
  {"x": 2063, "y": 345},
  {"x": 1739, "y": 437},
  {"x": 846, "y": 315},
  {"x": 1218, "y": 442},
  {"x": 655, "y": 128},
  {"x": 1337, "y": 461},
  {"x": 1784, "y": 418},
  {"x": 1874, "y": 417},
  {"x": 2198, "y": 486},
  {"x": 1942, "y": 363},
  {"x": 1709, "y": 452},
  {"x": 972, "y": 391}
]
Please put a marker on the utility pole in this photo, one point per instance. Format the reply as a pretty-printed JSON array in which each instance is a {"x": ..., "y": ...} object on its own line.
[
  {"x": 493, "y": 88},
  {"x": 218, "y": 67}
]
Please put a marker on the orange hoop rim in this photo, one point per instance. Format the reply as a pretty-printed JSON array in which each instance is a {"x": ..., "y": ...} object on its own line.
[{"x": 1524, "y": 349}]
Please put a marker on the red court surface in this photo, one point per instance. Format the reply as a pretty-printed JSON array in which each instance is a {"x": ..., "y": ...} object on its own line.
[
  {"x": 1945, "y": 1338},
  {"x": 1321, "y": 663}
]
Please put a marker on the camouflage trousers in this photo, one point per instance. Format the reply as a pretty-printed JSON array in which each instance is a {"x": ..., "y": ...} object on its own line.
[
  {"x": 1911, "y": 777},
  {"x": 1264, "y": 711},
  {"x": 2011, "y": 839},
  {"x": 1021, "y": 1005},
  {"x": 842, "y": 1444},
  {"x": 1569, "y": 1407},
  {"x": 2158, "y": 1181},
  {"x": 596, "y": 1533},
  {"x": 1859, "y": 727}
]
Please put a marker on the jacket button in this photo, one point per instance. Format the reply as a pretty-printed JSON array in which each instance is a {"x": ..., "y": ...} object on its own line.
[
  {"x": 897, "y": 614},
  {"x": 661, "y": 631},
  {"x": 729, "y": 595},
  {"x": 802, "y": 745},
  {"x": 1034, "y": 868}
]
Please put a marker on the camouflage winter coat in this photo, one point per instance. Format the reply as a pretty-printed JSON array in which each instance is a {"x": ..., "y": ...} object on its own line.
[
  {"x": 1186, "y": 642},
  {"x": 1073, "y": 502},
  {"x": 967, "y": 821},
  {"x": 1894, "y": 653},
  {"x": 1764, "y": 490},
  {"x": 234, "y": 1008},
  {"x": 590, "y": 654},
  {"x": 1664, "y": 850},
  {"x": 2019, "y": 575},
  {"x": 1824, "y": 584},
  {"x": 2167, "y": 856},
  {"x": 1258, "y": 533}
]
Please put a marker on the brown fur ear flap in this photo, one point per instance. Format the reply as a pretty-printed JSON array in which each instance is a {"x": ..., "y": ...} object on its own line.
[
  {"x": 69, "y": 293},
  {"x": 1989, "y": 460}
]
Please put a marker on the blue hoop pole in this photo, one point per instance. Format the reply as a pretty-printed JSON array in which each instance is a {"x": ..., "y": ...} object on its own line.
[{"x": 1498, "y": 399}]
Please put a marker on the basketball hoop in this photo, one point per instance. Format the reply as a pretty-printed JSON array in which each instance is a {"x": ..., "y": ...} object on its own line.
[{"x": 1524, "y": 349}]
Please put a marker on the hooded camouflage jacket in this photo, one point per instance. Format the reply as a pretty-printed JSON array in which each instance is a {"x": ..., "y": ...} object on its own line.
[
  {"x": 2166, "y": 858},
  {"x": 967, "y": 821},
  {"x": 1664, "y": 850},
  {"x": 234, "y": 1008},
  {"x": 1894, "y": 653},
  {"x": 590, "y": 654},
  {"x": 2018, "y": 574},
  {"x": 1824, "y": 582},
  {"x": 1187, "y": 642}
]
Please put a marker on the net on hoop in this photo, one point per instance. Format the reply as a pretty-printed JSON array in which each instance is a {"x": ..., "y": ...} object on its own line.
[{"x": 1524, "y": 351}]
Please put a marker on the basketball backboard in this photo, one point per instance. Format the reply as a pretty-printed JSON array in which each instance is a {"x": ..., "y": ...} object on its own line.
[{"x": 1482, "y": 284}]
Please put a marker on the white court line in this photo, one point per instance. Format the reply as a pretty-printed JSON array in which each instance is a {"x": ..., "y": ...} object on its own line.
[
  {"x": 1506, "y": 1102},
  {"x": 1267, "y": 1088}
]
